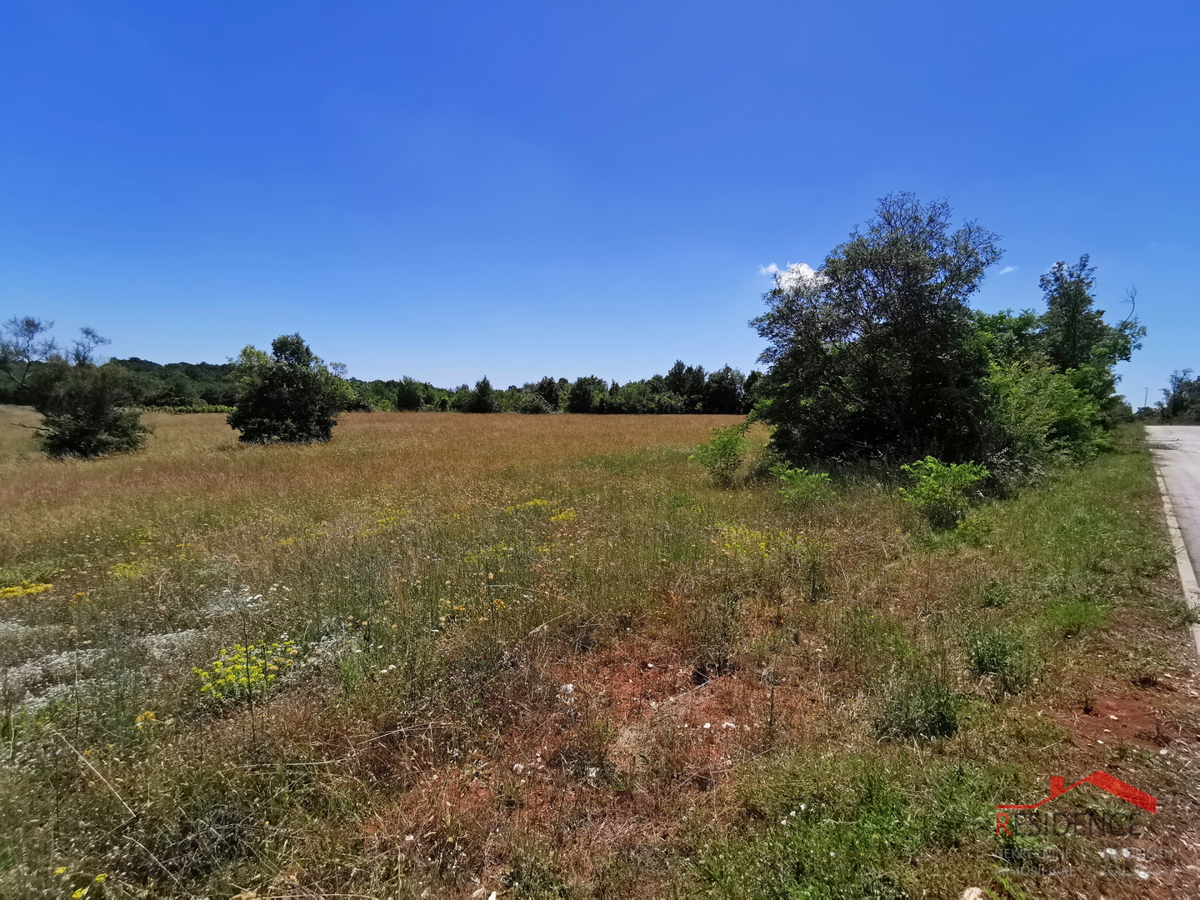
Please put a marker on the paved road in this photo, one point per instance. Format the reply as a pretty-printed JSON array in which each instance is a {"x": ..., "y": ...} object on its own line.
[{"x": 1177, "y": 452}]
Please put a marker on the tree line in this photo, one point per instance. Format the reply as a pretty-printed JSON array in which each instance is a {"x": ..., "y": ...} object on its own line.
[
  {"x": 876, "y": 354},
  {"x": 291, "y": 394}
]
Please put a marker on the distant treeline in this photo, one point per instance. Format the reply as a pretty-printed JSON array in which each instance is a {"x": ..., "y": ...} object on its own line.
[{"x": 684, "y": 389}]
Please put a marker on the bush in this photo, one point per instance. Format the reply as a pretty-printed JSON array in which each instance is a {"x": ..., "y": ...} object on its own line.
[
  {"x": 532, "y": 403},
  {"x": 943, "y": 493},
  {"x": 1035, "y": 418},
  {"x": 289, "y": 396},
  {"x": 724, "y": 452},
  {"x": 86, "y": 409},
  {"x": 802, "y": 487}
]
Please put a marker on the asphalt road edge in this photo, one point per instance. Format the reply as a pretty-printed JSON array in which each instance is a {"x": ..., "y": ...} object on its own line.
[{"x": 1187, "y": 574}]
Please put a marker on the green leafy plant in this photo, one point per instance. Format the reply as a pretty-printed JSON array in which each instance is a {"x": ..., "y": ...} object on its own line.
[
  {"x": 800, "y": 486},
  {"x": 722, "y": 455},
  {"x": 87, "y": 410},
  {"x": 289, "y": 396},
  {"x": 943, "y": 492},
  {"x": 246, "y": 672}
]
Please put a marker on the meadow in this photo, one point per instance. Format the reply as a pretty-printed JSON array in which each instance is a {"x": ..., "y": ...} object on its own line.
[{"x": 546, "y": 656}]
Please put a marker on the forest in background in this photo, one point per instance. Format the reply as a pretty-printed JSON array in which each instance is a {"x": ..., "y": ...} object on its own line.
[{"x": 184, "y": 387}]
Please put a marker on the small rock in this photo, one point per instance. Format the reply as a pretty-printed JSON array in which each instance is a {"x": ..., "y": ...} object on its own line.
[{"x": 973, "y": 893}]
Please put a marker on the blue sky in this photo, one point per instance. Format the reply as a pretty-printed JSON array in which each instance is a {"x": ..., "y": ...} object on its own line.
[{"x": 450, "y": 190}]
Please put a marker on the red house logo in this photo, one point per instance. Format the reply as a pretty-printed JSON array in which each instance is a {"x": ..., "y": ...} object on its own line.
[{"x": 1025, "y": 816}]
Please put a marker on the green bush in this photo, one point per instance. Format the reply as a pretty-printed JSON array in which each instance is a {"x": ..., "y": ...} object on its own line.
[
  {"x": 482, "y": 399},
  {"x": 800, "y": 486},
  {"x": 532, "y": 403},
  {"x": 1036, "y": 418},
  {"x": 724, "y": 452},
  {"x": 289, "y": 396},
  {"x": 943, "y": 493},
  {"x": 86, "y": 409}
]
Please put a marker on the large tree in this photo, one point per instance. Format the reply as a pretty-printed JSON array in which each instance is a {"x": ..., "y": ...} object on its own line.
[
  {"x": 290, "y": 396},
  {"x": 1075, "y": 337},
  {"x": 87, "y": 409},
  {"x": 872, "y": 353}
]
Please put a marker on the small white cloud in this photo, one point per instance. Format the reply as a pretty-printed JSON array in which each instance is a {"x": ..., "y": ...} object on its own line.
[
  {"x": 793, "y": 276},
  {"x": 1008, "y": 269}
]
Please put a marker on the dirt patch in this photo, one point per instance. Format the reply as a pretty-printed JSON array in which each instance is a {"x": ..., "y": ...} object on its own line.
[{"x": 1112, "y": 720}]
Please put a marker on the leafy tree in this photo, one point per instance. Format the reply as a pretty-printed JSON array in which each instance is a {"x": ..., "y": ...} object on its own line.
[
  {"x": 873, "y": 354},
  {"x": 532, "y": 402},
  {"x": 25, "y": 344},
  {"x": 290, "y": 396},
  {"x": 408, "y": 395},
  {"x": 723, "y": 392},
  {"x": 585, "y": 393},
  {"x": 687, "y": 382},
  {"x": 1182, "y": 400},
  {"x": 482, "y": 399},
  {"x": 550, "y": 391},
  {"x": 1076, "y": 338},
  {"x": 87, "y": 410}
]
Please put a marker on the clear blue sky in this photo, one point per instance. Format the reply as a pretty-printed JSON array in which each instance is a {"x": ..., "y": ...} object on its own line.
[{"x": 449, "y": 190}]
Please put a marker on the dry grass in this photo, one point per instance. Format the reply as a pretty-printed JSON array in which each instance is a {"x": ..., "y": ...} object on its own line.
[{"x": 545, "y": 656}]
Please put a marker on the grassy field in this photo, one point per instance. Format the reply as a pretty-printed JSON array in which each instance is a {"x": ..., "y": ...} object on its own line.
[{"x": 446, "y": 655}]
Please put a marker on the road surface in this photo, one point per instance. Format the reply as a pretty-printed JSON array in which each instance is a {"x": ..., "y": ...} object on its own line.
[{"x": 1177, "y": 452}]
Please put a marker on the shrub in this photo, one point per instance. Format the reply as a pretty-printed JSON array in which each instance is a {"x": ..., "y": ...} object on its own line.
[
  {"x": 943, "y": 493},
  {"x": 800, "y": 486},
  {"x": 724, "y": 452},
  {"x": 1036, "y": 417},
  {"x": 86, "y": 409},
  {"x": 532, "y": 403},
  {"x": 289, "y": 396}
]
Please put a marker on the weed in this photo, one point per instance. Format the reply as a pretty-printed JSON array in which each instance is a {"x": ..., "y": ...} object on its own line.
[
  {"x": 943, "y": 493},
  {"x": 802, "y": 487},
  {"x": 921, "y": 707},
  {"x": 722, "y": 455},
  {"x": 245, "y": 673},
  {"x": 1002, "y": 654},
  {"x": 1071, "y": 617},
  {"x": 533, "y": 875},
  {"x": 24, "y": 589},
  {"x": 30, "y": 573}
]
